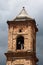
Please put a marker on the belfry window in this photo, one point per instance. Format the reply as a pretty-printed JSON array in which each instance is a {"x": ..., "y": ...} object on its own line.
[
  {"x": 20, "y": 30},
  {"x": 20, "y": 42}
]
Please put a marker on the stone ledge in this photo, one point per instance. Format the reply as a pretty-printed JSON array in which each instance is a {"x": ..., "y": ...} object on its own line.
[{"x": 22, "y": 55}]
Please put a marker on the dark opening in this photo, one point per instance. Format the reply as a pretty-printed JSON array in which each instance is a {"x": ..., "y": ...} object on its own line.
[
  {"x": 20, "y": 42},
  {"x": 20, "y": 30}
]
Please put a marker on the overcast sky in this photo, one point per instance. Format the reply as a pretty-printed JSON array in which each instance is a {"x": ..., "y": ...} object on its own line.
[{"x": 9, "y": 9}]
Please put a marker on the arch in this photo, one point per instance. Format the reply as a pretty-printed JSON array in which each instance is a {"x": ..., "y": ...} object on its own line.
[{"x": 20, "y": 42}]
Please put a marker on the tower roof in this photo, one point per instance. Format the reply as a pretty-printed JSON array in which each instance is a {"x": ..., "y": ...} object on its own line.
[{"x": 23, "y": 15}]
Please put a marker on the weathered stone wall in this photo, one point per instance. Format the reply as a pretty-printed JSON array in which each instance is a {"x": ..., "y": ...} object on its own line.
[
  {"x": 10, "y": 30},
  {"x": 27, "y": 32},
  {"x": 21, "y": 62}
]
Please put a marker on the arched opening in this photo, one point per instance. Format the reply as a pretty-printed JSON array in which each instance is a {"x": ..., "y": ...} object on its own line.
[
  {"x": 20, "y": 30},
  {"x": 20, "y": 42}
]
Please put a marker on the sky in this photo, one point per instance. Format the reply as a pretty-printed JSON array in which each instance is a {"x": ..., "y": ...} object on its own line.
[{"x": 9, "y": 9}]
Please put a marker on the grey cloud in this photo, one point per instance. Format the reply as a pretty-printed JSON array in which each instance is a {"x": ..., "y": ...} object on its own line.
[
  {"x": 39, "y": 45},
  {"x": 3, "y": 4},
  {"x": 3, "y": 39},
  {"x": 9, "y": 10}
]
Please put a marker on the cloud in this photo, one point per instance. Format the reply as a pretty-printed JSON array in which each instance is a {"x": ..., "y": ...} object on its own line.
[{"x": 9, "y": 9}]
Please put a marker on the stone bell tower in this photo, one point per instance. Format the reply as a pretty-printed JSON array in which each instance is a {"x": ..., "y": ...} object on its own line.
[{"x": 22, "y": 40}]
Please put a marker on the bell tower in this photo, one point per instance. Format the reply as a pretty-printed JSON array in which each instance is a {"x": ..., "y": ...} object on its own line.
[{"x": 22, "y": 40}]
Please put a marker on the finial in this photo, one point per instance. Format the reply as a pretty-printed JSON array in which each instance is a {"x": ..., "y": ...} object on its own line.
[{"x": 23, "y": 7}]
